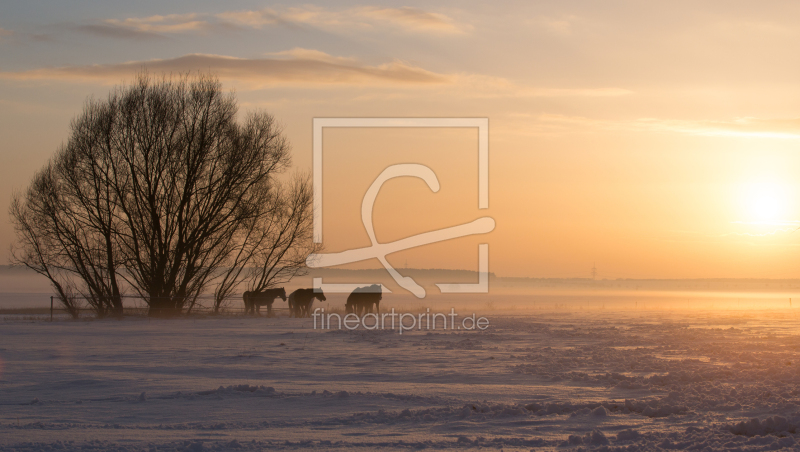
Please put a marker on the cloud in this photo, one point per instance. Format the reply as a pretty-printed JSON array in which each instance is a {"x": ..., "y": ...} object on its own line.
[
  {"x": 258, "y": 72},
  {"x": 413, "y": 19},
  {"x": 795, "y": 223},
  {"x": 309, "y": 68},
  {"x": 150, "y": 27},
  {"x": 554, "y": 124},
  {"x": 311, "y": 54},
  {"x": 252, "y": 19},
  {"x": 113, "y": 31},
  {"x": 763, "y": 234},
  {"x": 361, "y": 18},
  {"x": 740, "y": 127},
  {"x": 173, "y": 23},
  {"x": 571, "y": 92},
  {"x": 4, "y": 32},
  {"x": 365, "y": 18},
  {"x": 560, "y": 26}
]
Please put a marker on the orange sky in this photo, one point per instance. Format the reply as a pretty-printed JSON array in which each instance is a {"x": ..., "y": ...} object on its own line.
[{"x": 658, "y": 140}]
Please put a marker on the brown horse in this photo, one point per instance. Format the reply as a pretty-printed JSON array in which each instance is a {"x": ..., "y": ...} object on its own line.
[
  {"x": 301, "y": 299},
  {"x": 361, "y": 300},
  {"x": 255, "y": 299}
]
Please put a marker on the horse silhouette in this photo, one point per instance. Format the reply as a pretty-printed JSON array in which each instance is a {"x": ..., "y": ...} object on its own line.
[
  {"x": 255, "y": 299},
  {"x": 361, "y": 300},
  {"x": 301, "y": 299}
]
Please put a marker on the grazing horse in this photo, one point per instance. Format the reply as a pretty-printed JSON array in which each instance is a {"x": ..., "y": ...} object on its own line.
[
  {"x": 254, "y": 300},
  {"x": 300, "y": 301},
  {"x": 361, "y": 300}
]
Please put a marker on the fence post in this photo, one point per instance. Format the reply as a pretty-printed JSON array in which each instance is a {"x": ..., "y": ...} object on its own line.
[{"x": 51, "y": 308}]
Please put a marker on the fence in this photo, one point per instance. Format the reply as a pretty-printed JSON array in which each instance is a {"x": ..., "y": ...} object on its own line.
[{"x": 230, "y": 305}]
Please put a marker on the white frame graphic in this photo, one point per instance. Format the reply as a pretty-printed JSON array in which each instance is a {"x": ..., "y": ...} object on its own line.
[{"x": 482, "y": 124}]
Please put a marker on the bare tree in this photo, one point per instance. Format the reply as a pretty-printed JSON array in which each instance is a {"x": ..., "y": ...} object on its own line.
[
  {"x": 64, "y": 234},
  {"x": 271, "y": 247},
  {"x": 37, "y": 248},
  {"x": 160, "y": 188}
]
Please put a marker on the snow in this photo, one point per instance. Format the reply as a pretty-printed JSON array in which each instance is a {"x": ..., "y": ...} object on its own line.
[{"x": 543, "y": 380}]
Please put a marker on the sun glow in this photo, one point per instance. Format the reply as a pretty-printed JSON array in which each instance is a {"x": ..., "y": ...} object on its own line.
[{"x": 765, "y": 201}]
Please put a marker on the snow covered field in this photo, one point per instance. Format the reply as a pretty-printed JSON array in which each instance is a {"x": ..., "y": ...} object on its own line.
[{"x": 547, "y": 380}]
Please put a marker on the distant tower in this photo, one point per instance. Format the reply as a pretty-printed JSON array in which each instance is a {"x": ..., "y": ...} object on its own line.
[{"x": 594, "y": 271}]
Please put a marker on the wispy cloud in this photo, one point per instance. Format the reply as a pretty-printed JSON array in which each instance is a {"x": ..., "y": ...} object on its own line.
[
  {"x": 759, "y": 234},
  {"x": 549, "y": 124},
  {"x": 559, "y": 26},
  {"x": 150, "y": 27},
  {"x": 253, "y": 19},
  {"x": 173, "y": 23},
  {"x": 257, "y": 72},
  {"x": 366, "y": 18},
  {"x": 360, "y": 18},
  {"x": 766, "y": 237},
  {"x": 4, "y": 32},
  {"x": 413, "y": 19},
  {"x": 570, "y": 92},
  {"x": 311, "y": 54},
  {"x": 739, "y": 127},
  {"x": 795, "y": 223},
  {"x": 106, "y": 30},
  {"x": 308, "y": 68}
]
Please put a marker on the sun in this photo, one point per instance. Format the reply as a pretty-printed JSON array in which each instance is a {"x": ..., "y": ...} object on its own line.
[{"x": 765, "y": 201}]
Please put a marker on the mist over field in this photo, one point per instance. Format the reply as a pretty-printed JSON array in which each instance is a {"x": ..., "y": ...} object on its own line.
[
  {"x": 557, "y": 369},
  {"x": 564, "y": 364},
  {"x": 25, "y": 289}
]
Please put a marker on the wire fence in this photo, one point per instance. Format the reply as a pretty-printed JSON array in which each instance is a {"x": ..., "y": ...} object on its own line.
[{"x": 137, "y": 306}]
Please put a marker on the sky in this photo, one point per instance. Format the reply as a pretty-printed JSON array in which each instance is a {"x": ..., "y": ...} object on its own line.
[{"x": 651, "y": 139}]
